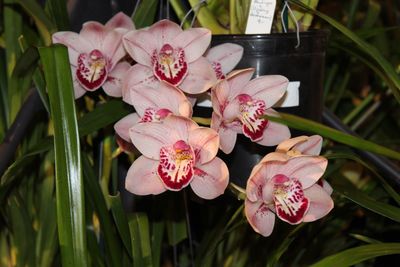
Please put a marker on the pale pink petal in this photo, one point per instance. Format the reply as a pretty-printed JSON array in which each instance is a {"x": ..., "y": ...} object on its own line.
[
  {"x": 307, "y": 169},
  {"x": 273, "y": 156},
  {"x": 200, "y": 78},
  {"x": 75, "y": 43},
  {"x": 205, "y": 142},
  {"x": 112, "y": 47},
  {"x": 320, "y": 203},
  {"x": 123, "y": 125},
  {"x": 120, "y": 20},
  {"x": 287, "y": 145},
  {"x": 232, "y": 110},
  {"x": 256, "y": 183},
  {"x": 326, "y": 186},
  {"x": 181, "y": 126},
  {"x": 79, "y": 91},
  {"x": 138, "y": 75},
  {"x": 165, "y": 31},
  {"x": 164, "y": 96},
  {"x": 194, "y": 41},
  {"x": 237, "y": 81},
  {"x": 211, "y": 179},
  {"x": 113, "y": 84},
  {"x": 142, "y": 178},
  {"x": 226, "y": 135},
  {"x": 219, "y": 96},
  {"x": 269, "y": 88},
  {"x": 94, "y": 32},
  {"x": 140, "y": 45},
  {"x": 274, "y": 133},
  {"x": 312, "y": 146},
  {"x": 149, "y": 137},
  {"x": 227, "y": 54},
  {"x": 260, "y": 217}
]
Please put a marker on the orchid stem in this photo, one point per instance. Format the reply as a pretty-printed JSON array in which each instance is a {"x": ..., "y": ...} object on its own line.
[
  {"x": 189, "y": 230},
  {"x": 358, "y": 109}
]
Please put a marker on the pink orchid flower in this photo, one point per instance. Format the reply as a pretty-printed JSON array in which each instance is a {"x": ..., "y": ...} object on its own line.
[
  {"x": 176, "y": 153},
  {"x": 239, "y": 105},
  {"x": 94, "y": 55},
  {"x": 153, "y": 104},
  {"x": 164, "y": 52},
  {"x": 286, "y": 187},
  {"x": 305, "y": 145},
  {"x": 224, "y": 58}
]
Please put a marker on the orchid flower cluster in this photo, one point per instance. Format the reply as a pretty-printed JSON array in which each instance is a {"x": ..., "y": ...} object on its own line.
[{"x": 172, "y": 67}]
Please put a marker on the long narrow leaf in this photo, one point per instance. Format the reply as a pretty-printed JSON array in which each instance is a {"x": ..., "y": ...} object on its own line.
[
  {"x": 366, "y": 47},
  {"x": 325, "y": 131},
  {"x": 356, "y": 255},
  {"x": 69, "y": 182}
]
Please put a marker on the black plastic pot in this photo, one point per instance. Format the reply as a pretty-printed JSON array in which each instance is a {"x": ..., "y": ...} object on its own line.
[{"x": 277, "y": 54}]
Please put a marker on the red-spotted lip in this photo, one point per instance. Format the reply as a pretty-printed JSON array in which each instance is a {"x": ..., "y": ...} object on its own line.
[
  {"x": 218, "y": 70},
  {"x": 92, "y": 70},
  {"x": 176, "y": 166},
  {"x": 169, "y": 64},
  {"x": 251, "y": 112},
  {"x": 290, "y": 201},
  {"x": 151, "y": 114}
]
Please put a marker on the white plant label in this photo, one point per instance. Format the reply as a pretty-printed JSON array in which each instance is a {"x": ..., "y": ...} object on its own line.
[
  {"x": 261, "y": 16},
  {"x": 291, "y": 96}
]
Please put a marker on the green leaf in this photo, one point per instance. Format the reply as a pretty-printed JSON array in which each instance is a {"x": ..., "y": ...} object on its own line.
[
  {"x": 367, "y": 48},
  {"x": 157, "y": 232},
  {"x": 358, "y": 254},
  {"x": 338, "y": 136},
  {"x": 121, "y": 221},
  {"x": 43, "y": 23},
  {"x": 102, "y": 115},
  {"x": 140, "y": 236},
  {"x": 96, "y": 199},
  {"x": 145, "y": 13},
  {"x": 69, "y": 180},
  {"x": 57, "y": 10},
  {"x": 367, "y": 202}
]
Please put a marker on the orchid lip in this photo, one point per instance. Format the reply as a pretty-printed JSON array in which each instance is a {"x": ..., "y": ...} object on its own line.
[
  {"x": 92, "y": 70},
  {"x": 251, "y": 112},
  {"x": 169, "y": 64},
  {"x": 153, "y": 115},
  {"x": 176, "y": 167},
  {"x": 289, "y": 199},
  {"x": 218, "y": 70}
]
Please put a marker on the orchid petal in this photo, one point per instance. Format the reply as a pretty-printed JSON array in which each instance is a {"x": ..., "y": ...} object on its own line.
[
  {"x": 75, "y": 43},
  {"x": 79, "y": 91},
  {"x": 123, "y": 125},
  {"x": 275, "y": 132},
  {"x": 227, "y": 55},
  {"x": 205, "y": 142},
  {"x": 307, "y": 169},
  {"x": 113, "y": 84},
  {"x": 325, "y": 185},
  {"x": 142, "y": 178},
  {"x": 237, "y": 81},
  {"x": 320, "y": 203},
  {"x": 219, "y": 96},
  {"x": 261, "y": 219},
  {"x": 138, "y": 75},
  {"x": 150, "y": 137},
  {"x": 164, "y": 96},
  {"x": 120, "y": 20},
  {"x": 312, "y": 146},
  {"x": 140, "y": 45},
  {"x": 269, "y": 88},
  {"x": 232, "y": 110},
  {"x": 211, "y": 179},
  {"x": 273, "y": 156},
  {"x": 287, "y": 145},
  {"x": 227, "y": 136},
  {"x": 200, "y": 77},
  {"x": 256, "y": 183},
  {"x": 194, "y": 41},
  {"x": 165, "y": 31},
  {"x": 181, "y": 125}
]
